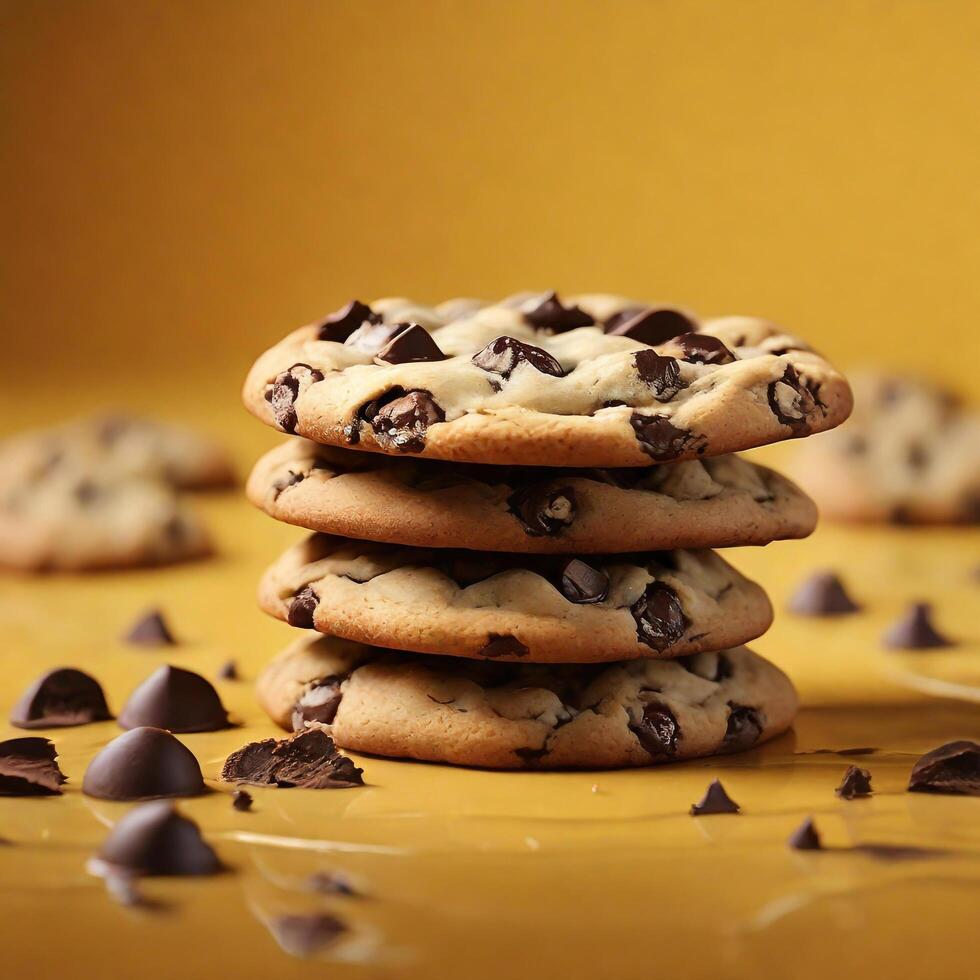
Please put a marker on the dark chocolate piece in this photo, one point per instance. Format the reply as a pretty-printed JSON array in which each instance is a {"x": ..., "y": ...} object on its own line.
[
  {"x": 505, "y": 354},
  {"x": 661, "y": 440},
  {"x": 302, "y": 608},
  {"x": 177, "y": 700},
  {"x": 659, "y": 615},
  {"x": 792, "y": 401},
  {"x": 583, "y": 584},
  {"x": 805, "y": 837},
  {"x": 410, "y": 345},
  {"x": 543, "y": 510},
  {"x": 660, "y": 373},
  {"x": 285, "y": 390},
  {"x": 59, "y": 699},
  {"x": 715, "y": 800},
  {"x": 503, "y": 645},
  {"x": 551, "y": 315},
  {"x": 285, "y": 482},
  {"x": 822, "y": 594},
  {"x": 309, "y": 760},
  {"x": 150, "y": 630},
  {"x": 305, "y": 935},
  {"x": 143, "y": 764},
  {"x": 652, "y": 325},
  {"x": 401, "y": 422},
  {"x": 952, "y": 768},
  {"x": 228, "y": 671},
  {"x": 28, "y": 767},
  {"x": 702, "y": 348},
  {"x": 370, "y": 337},
  {"x": 338, "y": 326},
  {"x": 914, "y": 630},
  {"x": 656, "y": 730},
  {"x": 745, "y": 726},
  {"x": 855, "y": 783},
  {"x": 242, "y": 800},
  {"x": 319, "y": 704}
]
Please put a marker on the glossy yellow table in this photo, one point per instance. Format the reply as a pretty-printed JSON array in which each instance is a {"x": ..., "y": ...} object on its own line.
[{"x": 481, "y": 874}]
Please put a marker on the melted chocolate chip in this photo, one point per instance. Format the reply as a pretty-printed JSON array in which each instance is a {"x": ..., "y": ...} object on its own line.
[
  {"x": 745, "y": 726},
  {"x": 951, "y": 768},
  {"x": 805, "y": 837},
  {"x": 284, "y": 482},
  {"x": 150, "y": 630},
  {"x": 338, "y": 326},
  {"x": 309, "y": 760},
  {"x": 792, "y": 400},
  {"x": 305, "y": 935},
  {"x": 400, "y": 419},
  {"x": 583, "y": 584},
  {"x": 652, "y": 325},
  {"x": 660, "y": 374},
  {"x": 543, "y": 510},
  {"x": 505, "y": 354},
  {"x": 302, "y": 608},
  {"x": 855, "y": 783},
  {"x": 177, "y": 700},
  {"x": 700, "y": 348},
  {"x": 412, "y": 344},
  {"x": 28, "y": 767},
  {"x": 551, "y": 315},
  {"x": 242, "y": 800},
  {"x": 822, "y": 594},
  {"x": 503, "y": 645},
  {"x": 914, "y": 630},
  {"x": 319, "y": 704},
  {"x": 60, "y": 699},
  {"x": 370, "y": 337},
  {"x": 659, "y": 615},
  {"x": 660, "y": 439},
  {"x": 656, "y": 730},
  {"x": 285, "y": 390},
  {"x": 228, "y": 671},
  {"x": 715, "y": 800}
]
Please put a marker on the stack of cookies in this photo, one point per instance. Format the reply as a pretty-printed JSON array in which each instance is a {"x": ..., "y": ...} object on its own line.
[{"x": 513, "y": 506}]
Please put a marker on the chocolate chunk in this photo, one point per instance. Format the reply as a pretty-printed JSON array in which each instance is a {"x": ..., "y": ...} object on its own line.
[
  {"x": 143, "y": 764},
  {"x": 285, "y": 390},
  {"x": 745, "y": 726},
  {"x": 28, "y": 767},
  {"x": 715, "y": 800},
  {"x": 805, "y": 837},
  {"x": 150, "y": 630},
  {"x": 792, "y": 400},
  {"x": 660, "y": 373},
  {"x": 228, "y": 671},
  {"x": 660, "y": 439},
  {"x": 177, "y": 700},
  {"x": 659, "y": 615},
  {"x": 302, "y": 608},
  {"x": 543, "y": 510},
  {"x": 701, "y": 348},
  {"x": 401, "y": 419},
  {"x": 855, "y": 783},
  {"x": 656, "y": 730},
  {"x": 59, "y": 699},
  {"x": 549, "y": 314},
  {"x": 338, "y": 326},
  {"x": 319, "y": 704},
  {"x": 309, "y": 760},
  {"x": 242, "y": 800},
  {"x": 503, "y": 645},
  {"x": 650, "y": 325},
  {"x": 412, "y": 344},
  {"x": 952, "y": 768},
  {"x": 914, "y": 630},
  {"x": 822, "y": 594},
  {"x": 583, "y": 584},
  {"x": 505, "y": 354},
  {"x": 154, "y": 839},
  {"x": 370, "y": 337},
  {"x": 305, "y": 935}
]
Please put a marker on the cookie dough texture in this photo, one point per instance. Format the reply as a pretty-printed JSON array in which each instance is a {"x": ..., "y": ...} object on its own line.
[
  {"x": 512, "y": 716},
  {"x": 910, "y": 454},
  {"x": 709, "y": 503},
  {"x": 514, "y": 607},
  {"x": 598, "y": 406}
]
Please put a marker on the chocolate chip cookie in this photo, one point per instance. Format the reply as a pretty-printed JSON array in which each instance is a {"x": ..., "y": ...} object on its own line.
[
  {"x": 537, "y": 380},
  {"x": 516, "y": 716},
  {"x": 497, "y": 606}
]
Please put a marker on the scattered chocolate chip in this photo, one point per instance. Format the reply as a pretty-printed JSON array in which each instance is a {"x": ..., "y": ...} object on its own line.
[
  {"x": 309, "y": 760},
  {"x": 319, "y": 704},
  {"x": 951, "y": 768},
  {"x": 410, "y": 345},
  {"x": 715, "y": 800},
  {"x": 338, "y": 326},
  {"x": 805, "y": 837},
  {"x": 143, "y": 764},
  {"x": 549, "y": 314},
  {"x": 702, "y": 348},
  {"x": 855, "y": 783},
  {"x": 28, "y": 767},
  {"x": 792, "y": 400},
  {"x": 330, "y": 883},
  {"x": 822, "y": 594},
  {"x": 228, "y": 671},
  {"x": 242, "y": 800},
  {"x": 370, "y": 337},
  {"x": 305, "y": 935},
  {"x": 401, "y": 422},
  {"x": 660, "y": 439},
  {"x": 285, "y": 390},
  {"x": 660, "y": 373},
  {"x": 59, "y": 699},
  {"x": 177, "y": 700},
  {"x": 659, "y": 615},
  {"x": 656, "y": 730},
  {"x": 653, "y": 325},
  {"x": 543, "y": 510},
  {"x": 302, "y": 608},
  {"x": 914, "y": 630},
  {"x": 745, "y": 726},
  {"x": 505, "y": 354},
  {"x": 503, "y": 645},
  {"x": 583, "y": 584},
  {"x": 150, "y": 630}
]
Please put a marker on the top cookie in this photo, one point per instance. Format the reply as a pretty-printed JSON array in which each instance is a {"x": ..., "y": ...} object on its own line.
[{"x": 593, "y": 381}]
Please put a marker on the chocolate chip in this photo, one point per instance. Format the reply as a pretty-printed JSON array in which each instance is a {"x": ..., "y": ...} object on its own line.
[
  {"x": 822, "y": 594},
  {"x": 661, "y": 374},
  {"x": 656, "y": 730},
  {"x": 805, "y": 837},
  {"x": 319, "y": 704},
  {"x": 505, "y": 354},
  {"x": 745, "y": 727},
  {"x": 59, "y": 699},
  {"x": 412, "y": 344},
  {"x": 701, "y": 348},
  {"x": 503, "y": 645},
  {"x": 285, "y": 482},
  {"x": 143, "y": 764},
  {"x": 305, "y": 935},
  {"x": 150, "y": 630},
  {"x": 228, "y": 671},
  {"x": 951, "y": 768},
  {"x": 792, "y": 400},
  {"x": 660, "y": 439},
  {"x": 914, "y": 630},
  {"x": 402, "y": 422},
  {"x": 659, "y": 615},
  {"x": 242, "y": 800},
  {"x": 551, "y": 315},
  {"x": 338, "y": 326},
  {"x": 855, "y": 783},
  {"x": 371, "y": 337},
  {"x": 309, "y": 760},
  {"x": 86, "y": 493},
  {"x": 583, "y": 584},
  {"x": 285, "y": 390},
  {"x": 302, "y": 608},
  {"x": 28, "y": 767},
  {"x": 154, "y": 839},
  {"x": 917, "y": 456},
  {"x": 330, "y": 883},
  {"x": 543, "y": 510},
  {"x": 177, "y": 700},
  {"x": 715, "y": 800},
  {"x": 649, "y": 325}
]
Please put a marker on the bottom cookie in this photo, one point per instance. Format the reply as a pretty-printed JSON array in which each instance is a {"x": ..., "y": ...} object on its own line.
[{"x": 540, "y": 716}]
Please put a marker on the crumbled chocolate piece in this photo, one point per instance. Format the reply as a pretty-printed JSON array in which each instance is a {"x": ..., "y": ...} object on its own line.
[
  {"x": 702, "y": 348},
  {"x": 401, "y": 419},
  {"x": 242, "y": 800},
  {"x": 656, "y": 730},
  {"x": 177, "y": 700},
  {"x": 410, "y": 345},
  {"x": 338, "y": 326},
  {"x": 805, "y": 837},
  {"x": 59, "y": 699},
  {"x": 228, "y": 671},
  {"x": 503, "y": 645},
  {"x": 659, "y": 615},
  {"x": 505, "y": 354},
  {"x": 28, "y": 767},
  {"x": 551, "y": 315},
  {"x": 285, "y": 390},
  {"x": 855, "y": 783},
  {"x": 308, "y": 760},
  {"x": 951, "y": 768},
  {"x": 792, "y": 400},
  {"x": 319, "y": 704},
  {"x": 583, "y": 584},
  {"x": 543, "y": 510},
  {"x": 143, "y": 764},
  {"x": 715, "y": 800},
  {"x": 305, "y": 935},
  {"x": 660, "y": 373},
  {"x": 661, "y": 440},
  {"x": 150, "y": 630},
  {"x": 370, "y": 337},
  {"x": 745, "y": 726},
  {"x": 302, "y": 608},
  {"x": 914, "y": 630},
  {"x": 822, "y": 594},
  {"x": 330, "y": 883},
  {"x": 653, "y": 325}
]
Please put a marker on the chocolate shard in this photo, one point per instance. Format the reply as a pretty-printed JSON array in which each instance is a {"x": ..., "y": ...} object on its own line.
[
  {"x": 340, "y": 324},
  {"x": 661, "y": 440},
  {"x": 583, "y": 584},
  {"x": 503, "y": 645},
  {"x": 855, "y": 783},
  {"x": 715, "y": 800},
  {"x": 228, "y": 671},
  {"x": 154, "y": 839},
  {"x": 309, "y": 760},
  {"x": 143, "y": 764},
  {"x": 286, "y": 389},
  {"x": 505, "y": 354},
  {"x": 805, "y": 837},
  {"x": 657, "y": 730},
  {"x": 822, "y": 594},
  {"x": 543, "y": 510},
  {"x": 401, "y": 422},
  {"x": 411, "y": 344},
  {"x": 150, "y": 630},
  {"x": 914, "y": 630},
  {"x": 28, "y": 767},
  {"x": 792, "y": 400},
  {"x": 60, "y": 699},
  {"x": 649, "y": 325},
  {"x": 660, "y": 373},
  {"x": 745, "y": 727},
  {"x": 242, "y": 800},
  {"x": 700, "y": 348},
  {"x": 659, "y": 615},
  {"x": 319, "y": 704},
  {"x": 305, "y": 935},
  {"x": 302, "y": 608},
  {"x": 952, "y": 768},
  {"x": 370, "y": 337},
  {"x": 551, "y": 315},
  {"x": 177, "y": 700}
]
